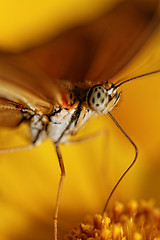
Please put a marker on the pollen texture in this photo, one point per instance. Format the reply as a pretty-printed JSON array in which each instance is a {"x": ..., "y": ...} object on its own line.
[{"x": 136, "y": 221}]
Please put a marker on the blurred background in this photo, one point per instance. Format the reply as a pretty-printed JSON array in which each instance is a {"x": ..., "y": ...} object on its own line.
[{"x": 29, "y": 179}]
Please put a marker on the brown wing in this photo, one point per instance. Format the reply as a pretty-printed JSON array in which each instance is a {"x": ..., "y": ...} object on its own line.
[
  {"x": 84, "y": 56},
  {"x": 23, "y": 83},
  {"x": 9, "y": 114},
  {"x": 96, "y": 52}
]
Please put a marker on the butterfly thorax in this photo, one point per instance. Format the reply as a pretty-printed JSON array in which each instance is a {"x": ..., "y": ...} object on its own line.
[
  {"x": 64, "y": 122},
  {"x": 58, "y": 126}
]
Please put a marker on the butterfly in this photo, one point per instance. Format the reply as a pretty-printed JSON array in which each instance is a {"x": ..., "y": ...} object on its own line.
[{"x": 57, "y": 87}]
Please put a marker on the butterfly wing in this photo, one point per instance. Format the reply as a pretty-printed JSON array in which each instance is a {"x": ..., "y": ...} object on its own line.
[
  {"x": 96, "y": 52},
  {"x": 24, "y": 85},
  {"x": 40, "y": 78},
  {"x": 9, "y": 114}
]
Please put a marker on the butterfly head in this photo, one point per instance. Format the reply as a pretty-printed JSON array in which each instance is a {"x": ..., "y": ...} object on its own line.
[{"x": 102, "y": 98}]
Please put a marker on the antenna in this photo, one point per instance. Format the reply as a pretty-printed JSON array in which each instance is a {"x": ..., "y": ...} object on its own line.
[
  {"x": 130, "y": 166},
  {"x": 140, "y": 76}
]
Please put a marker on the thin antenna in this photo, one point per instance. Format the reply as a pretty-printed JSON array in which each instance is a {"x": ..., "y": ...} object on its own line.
[
  {"x": 140, "y": 76},
  {"x": 130, "y": 166}
]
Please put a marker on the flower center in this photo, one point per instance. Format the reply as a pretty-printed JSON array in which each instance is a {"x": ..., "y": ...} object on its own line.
[{"x": 137, "y": 221}]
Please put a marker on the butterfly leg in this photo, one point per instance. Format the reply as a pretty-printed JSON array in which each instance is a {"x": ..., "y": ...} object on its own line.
[
  {"x": 62, "y": 168},
  {"x": 99, "y": 133},
  {"x": 16, "y": 149}
]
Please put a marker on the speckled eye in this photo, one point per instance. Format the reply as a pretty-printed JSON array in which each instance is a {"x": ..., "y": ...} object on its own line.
[{"x": 97, "y": 98}]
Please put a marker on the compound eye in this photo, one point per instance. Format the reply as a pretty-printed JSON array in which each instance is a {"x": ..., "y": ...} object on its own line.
[{"x": 98, "y": 98}]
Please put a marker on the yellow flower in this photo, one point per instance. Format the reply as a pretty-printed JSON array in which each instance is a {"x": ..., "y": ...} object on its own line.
[
  {"x": 134, "y": 221},
  {"x": 29, "y": 179}
]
